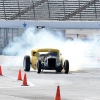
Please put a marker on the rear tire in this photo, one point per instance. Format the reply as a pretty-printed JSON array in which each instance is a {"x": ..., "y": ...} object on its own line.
[
  {"x": 39, "y": 67},
  {"x": 66, "y": 66},
  {"x": 26, "y": 63}
]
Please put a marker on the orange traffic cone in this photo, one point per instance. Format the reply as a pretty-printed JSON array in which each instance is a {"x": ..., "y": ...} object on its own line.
[
  {"x": 19, "y": 75},
  {"x": 58, "y": 94},
  {"x": 0, "y": 71},
  {"x": 25, "y": 80}
]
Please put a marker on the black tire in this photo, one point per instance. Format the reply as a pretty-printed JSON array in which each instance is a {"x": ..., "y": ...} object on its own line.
[
  {"x": 26, "y": 63},
  {"x": 66, "y": 66},
  {"x": 39, "y": 67},
  {"x": 58, "y": 70}
]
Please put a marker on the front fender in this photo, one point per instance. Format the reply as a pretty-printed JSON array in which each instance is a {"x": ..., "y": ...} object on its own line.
[{"x": 34, "y": 62}]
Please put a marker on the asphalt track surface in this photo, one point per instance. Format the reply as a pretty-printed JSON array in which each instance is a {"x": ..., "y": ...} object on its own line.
[{"x": 77, "y": 85}]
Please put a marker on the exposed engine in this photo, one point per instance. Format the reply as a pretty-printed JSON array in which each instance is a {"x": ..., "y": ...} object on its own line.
[{"x": 51, "y": 63}]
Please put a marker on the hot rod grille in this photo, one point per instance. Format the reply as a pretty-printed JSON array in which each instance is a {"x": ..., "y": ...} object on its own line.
[{"x": 51, "y": 63}]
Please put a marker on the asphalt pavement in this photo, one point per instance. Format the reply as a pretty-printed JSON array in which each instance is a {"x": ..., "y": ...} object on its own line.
[{"x": 83, "y": 84}]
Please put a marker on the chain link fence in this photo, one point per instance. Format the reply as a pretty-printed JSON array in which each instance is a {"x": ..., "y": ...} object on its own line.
[{"x": 7, "y": 35}]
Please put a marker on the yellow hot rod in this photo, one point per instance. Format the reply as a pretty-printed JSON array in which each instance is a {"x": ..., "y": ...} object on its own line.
[{"x": 45, "y": 59}]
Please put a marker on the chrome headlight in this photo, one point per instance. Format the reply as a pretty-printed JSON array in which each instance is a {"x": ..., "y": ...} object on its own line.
[{"x": 45, "y": 64}]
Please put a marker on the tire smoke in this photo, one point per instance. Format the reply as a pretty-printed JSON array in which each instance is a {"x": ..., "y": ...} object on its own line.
[{"x": 44, "y": 38}]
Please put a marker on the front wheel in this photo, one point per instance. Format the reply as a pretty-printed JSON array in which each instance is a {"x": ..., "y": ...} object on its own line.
[
  {"x": 26, "y": 63},
  {"x": 66, "y": 66},
  {"x": 39, "y": 67}
]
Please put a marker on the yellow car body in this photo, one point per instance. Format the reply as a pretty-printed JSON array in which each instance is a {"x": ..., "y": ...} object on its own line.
[
  {"x": 35, "y": 52},
  {"x": 45, "y": 59}
]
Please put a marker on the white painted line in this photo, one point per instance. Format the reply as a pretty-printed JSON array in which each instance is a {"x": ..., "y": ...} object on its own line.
[
  {"x": 31, "y": 84},
  {"x": 16, "y": 87},
  {"x": 10, "y": 76},
  {"x": 11, "y": 87}
]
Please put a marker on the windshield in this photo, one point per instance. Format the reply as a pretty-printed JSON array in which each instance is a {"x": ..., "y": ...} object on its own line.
[
  {"x": 48, "y": 53},
  {"x": 53, "y": 53}
]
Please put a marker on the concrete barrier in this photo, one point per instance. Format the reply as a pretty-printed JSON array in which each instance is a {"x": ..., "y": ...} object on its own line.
[{"x": 51, "y": 24}]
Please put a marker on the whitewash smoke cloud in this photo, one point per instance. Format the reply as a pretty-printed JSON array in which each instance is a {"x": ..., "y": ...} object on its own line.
[
  {"x": 45, "y": 38},
  {"x": 33, "y": 39}
]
